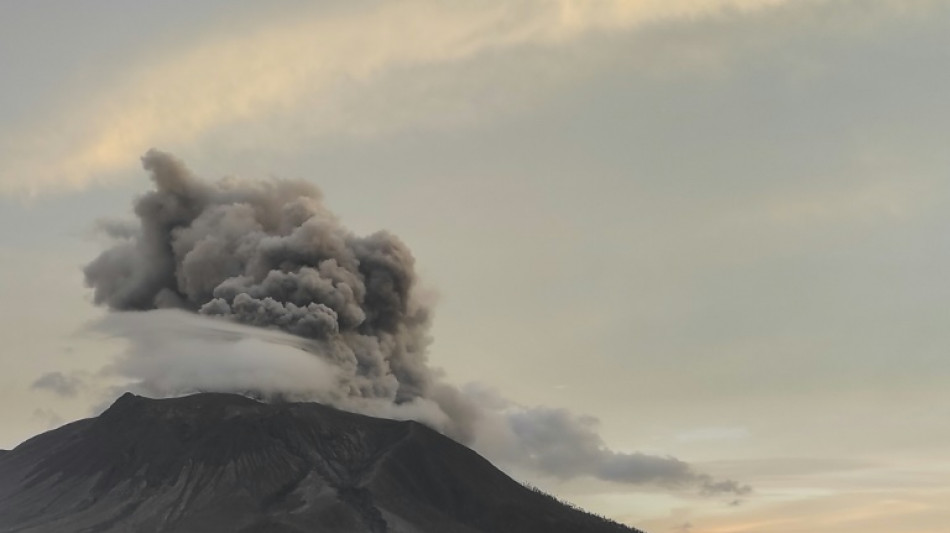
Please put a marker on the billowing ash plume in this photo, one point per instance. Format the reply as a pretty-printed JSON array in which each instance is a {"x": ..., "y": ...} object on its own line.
[
  {"x": 270, "y": 254},
  {"x": 311, "y": 311}
]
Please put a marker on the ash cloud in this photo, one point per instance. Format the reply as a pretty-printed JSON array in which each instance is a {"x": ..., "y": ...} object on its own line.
[
  {"x": 255, "y": 287},
  {"x": 565, "y": 445},
  {"x": 269, "y": 254},
  {"x": 58, "y": 383}
]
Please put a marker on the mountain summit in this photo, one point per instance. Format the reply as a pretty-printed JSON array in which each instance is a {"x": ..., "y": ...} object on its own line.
[{"x": 212, "y": 463}]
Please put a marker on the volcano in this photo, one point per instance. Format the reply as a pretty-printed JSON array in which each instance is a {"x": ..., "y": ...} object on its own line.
[{"x": 211, "y": 463}]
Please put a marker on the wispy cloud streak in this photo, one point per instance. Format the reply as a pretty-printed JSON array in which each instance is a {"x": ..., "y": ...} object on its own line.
[{"x": 299, "y": 65}]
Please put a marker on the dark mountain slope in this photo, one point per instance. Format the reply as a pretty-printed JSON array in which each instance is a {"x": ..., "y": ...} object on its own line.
[{"x": 224, "y": 463}]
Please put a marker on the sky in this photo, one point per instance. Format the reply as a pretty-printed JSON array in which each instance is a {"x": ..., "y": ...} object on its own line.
[{"x": 716, "y": 226}]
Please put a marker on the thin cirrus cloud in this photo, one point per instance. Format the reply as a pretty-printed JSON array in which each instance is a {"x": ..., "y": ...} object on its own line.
[{"x": 300, "y": 65}]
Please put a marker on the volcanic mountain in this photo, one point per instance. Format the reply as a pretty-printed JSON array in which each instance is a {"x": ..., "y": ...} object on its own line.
[{"x": 212, "y": 463}]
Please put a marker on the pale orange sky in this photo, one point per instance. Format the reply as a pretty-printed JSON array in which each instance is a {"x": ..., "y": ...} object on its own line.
[{"x": 717, "y": 226}]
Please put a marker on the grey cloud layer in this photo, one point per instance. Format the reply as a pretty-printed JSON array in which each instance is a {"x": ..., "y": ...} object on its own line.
[
  {"x": 61, "y": 384},
  {"x": 566, "y": 445}
]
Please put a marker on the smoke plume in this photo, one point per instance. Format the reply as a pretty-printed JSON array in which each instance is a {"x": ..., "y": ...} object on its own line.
[
  {"x": 269, "y": 254},
  {"x": 59, "y": 383},
  {"x": 291, "y": 304},
  {"x": 565, "y": 445}
]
